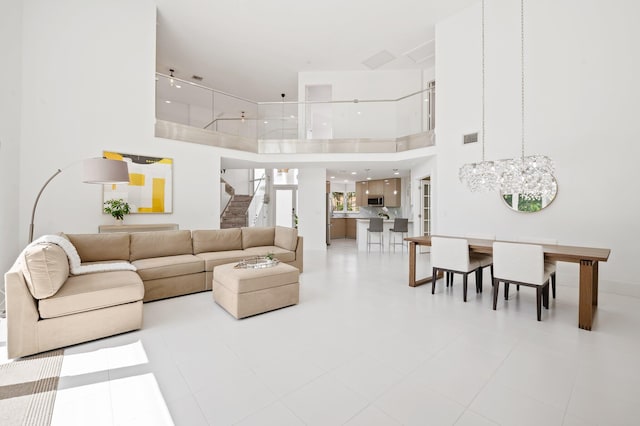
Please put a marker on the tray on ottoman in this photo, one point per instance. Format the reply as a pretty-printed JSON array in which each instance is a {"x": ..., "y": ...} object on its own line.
[{"x": 250, "y": 291}]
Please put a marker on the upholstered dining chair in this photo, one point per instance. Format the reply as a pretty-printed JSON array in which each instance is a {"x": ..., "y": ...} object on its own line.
[
  {"x": 451, "y": 255},
  {"x": 542, "y": 241},
  {"x": 376, "y": 227},
  {"x": 400, "y": 225},
  {"x": 521, "y": 264}
]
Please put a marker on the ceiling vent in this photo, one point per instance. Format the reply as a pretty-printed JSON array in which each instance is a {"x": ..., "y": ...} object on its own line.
[
  {"x": 196, "y": 77},
  {"x": 378, "y": 60},
  {"x": 423, "y": 52}
]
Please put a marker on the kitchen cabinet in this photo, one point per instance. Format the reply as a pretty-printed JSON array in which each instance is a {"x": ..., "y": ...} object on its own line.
[
  {"x": 343, "y": 227},
  {"x": 376, "y": 187},
  {"x": 389, "y": 188},
  {"x": 392, "y": 192},
  {"x": 338, "y": 227},
  {"x": 351, "y": 228},
  {"x": 361, "y": 195}
]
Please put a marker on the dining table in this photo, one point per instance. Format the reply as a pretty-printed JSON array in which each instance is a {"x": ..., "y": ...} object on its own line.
[{"x": 587, "y": 257}]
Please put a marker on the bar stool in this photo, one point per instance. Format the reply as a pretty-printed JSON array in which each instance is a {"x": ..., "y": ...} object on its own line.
[
  {"x": 376, "y": 226},
  {"x": 399, "y": 225}
]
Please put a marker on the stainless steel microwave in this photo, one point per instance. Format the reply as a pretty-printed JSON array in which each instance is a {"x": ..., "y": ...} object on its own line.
[{"x": 376, "y": 201}]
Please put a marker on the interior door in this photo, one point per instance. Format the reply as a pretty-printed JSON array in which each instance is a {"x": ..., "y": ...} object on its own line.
[{"x": 286, "y": 206}]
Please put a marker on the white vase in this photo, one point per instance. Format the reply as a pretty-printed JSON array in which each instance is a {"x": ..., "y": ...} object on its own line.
[{"x": 119, "y": 222}]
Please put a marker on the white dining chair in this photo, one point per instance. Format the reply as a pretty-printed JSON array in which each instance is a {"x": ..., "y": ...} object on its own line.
[
  {"x": 451, "y": 255},
  {"x": 542, "y": 241},
  {"x": 521, "y": 264}
]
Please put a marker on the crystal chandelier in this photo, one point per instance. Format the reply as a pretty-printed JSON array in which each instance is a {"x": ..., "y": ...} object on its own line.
[
  {"x": 532, "y": 175},
  {"x": 480, "y": 176}
]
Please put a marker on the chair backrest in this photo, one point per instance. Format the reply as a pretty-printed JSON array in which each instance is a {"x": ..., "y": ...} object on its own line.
[
  {"x": 450, "y": 253},
  {"x": 518, "y": 262},
  {"x": 375, "y": 224},
  {"x": 401, "y": 224}
]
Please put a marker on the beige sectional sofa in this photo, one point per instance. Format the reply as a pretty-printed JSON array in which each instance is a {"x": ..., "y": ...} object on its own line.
[{"x": 48, "y": 308}]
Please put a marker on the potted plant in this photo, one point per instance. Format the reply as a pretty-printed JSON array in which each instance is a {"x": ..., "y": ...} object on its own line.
[{"x": 117, "y": 209}]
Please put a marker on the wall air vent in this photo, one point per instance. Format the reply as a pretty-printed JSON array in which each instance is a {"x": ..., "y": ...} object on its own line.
[
  {"x": 196, "y": 77},
  {"x": 470, "y": 138}
]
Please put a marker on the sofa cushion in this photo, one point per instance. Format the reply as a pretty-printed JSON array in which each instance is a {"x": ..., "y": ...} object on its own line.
[
  {"x": 82, "y": 293},
  {"x": 168, "y": 266},
  {"x": 145, "y": 245},
  {"x": 97, "y": 247},
  {"x": 279, "y": 253},
  {"x": 215, "y": 258},
  {"x": 287, "y": 238},
  {"x": 45, "y": 268},
  {"x": 216, "y": 240},
  {"x": 257, "y": 236}
]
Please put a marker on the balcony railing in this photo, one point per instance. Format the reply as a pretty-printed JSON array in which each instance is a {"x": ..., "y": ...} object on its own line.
[{"x": 191, "y": 104}]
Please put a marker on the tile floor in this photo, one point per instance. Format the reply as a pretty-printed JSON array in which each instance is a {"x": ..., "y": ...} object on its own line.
[{"x": 362, "y": 348}]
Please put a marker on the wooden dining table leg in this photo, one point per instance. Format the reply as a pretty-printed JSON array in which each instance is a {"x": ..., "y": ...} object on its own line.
[
  {"x": 412, "y": 264},
  {"x": 588, "y": 298}
]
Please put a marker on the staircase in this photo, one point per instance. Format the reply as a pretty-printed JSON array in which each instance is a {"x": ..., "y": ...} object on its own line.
[{"x": 235, "y": 215}]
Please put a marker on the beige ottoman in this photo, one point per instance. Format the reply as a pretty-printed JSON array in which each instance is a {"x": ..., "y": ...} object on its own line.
[{"x": 246, "y": 292}]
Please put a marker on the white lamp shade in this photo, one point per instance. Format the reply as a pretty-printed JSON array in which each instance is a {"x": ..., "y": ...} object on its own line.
[{"x": 103, "y": 170}]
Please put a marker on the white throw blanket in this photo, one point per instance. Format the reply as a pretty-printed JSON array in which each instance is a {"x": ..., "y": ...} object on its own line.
[{"x": 74, "y": 258}]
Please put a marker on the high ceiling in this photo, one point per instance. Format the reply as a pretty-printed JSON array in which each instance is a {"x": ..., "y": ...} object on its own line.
[{"x": 255, "y": 48}]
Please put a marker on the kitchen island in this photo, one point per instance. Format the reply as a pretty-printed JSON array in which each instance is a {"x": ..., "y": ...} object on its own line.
[{"x": 361, "y": 234}]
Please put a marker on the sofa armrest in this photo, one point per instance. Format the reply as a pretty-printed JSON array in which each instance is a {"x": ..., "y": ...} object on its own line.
[
  {"x": 22, "y": 315},
  {"x": 299, "y": 254}
]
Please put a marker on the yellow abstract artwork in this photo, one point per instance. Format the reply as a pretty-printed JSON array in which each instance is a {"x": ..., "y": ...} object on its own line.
[{"x": 150, "y": 187}]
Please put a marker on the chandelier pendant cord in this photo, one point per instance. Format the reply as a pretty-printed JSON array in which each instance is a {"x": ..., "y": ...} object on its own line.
[
  {"x": 522, "y": 73},
  {"x": 483, "y": 101}
]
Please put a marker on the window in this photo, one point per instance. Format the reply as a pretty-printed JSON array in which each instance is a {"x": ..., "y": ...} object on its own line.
[
  {"x": 351, "y": 202},
  {"x": 344, "y": 202},
  {"x": 338, "y": 201}
]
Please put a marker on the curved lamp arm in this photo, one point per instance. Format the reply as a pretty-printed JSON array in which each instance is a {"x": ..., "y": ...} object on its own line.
[
  {"x": 35, "y": 205},
  {"x": 96, "y": 170}
]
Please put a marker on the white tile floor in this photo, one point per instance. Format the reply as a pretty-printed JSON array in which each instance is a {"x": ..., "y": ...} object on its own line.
[{"x": 363, "y": 348}]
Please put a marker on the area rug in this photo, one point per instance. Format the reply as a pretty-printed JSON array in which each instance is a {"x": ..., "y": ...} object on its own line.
[{"x": 28, "y": 389}]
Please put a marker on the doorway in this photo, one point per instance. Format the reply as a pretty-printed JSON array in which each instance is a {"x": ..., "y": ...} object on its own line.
[{"x": 286, "y": 205}]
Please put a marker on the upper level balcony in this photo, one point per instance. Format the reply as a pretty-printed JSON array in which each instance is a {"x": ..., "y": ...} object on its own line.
[{"x": 194, "y": 113}]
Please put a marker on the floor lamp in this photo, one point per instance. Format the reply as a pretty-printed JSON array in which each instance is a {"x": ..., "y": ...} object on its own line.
[{"x": 96, "y": 170}]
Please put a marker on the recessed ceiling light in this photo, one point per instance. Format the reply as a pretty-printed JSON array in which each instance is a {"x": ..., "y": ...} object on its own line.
[
  {"x": 396, "y": 172},
  {"x": 333, "y": 177},
  {"x": 359, "y": 112},
  {"x": 346, "y": 181},
  {"x": 354, "y": 173},
  {"x": 167, "y": 102},
  {"x": 177, "y": 86},
  {"x": 292, "y": 116},
  {"x": 368, "y": 178},
  {"x": 386, "y": 180},
  {"x": 266, "y": 122}
]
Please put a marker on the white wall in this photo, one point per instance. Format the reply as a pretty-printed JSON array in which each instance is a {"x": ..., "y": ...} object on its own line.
[
  {"x": 88, "y": 86},
  {"x": 582, "y": 106},
  {"x": 239, "y": 179},
  {"x": 10, "y": 116},
  {"x": 311, "y": 207}
]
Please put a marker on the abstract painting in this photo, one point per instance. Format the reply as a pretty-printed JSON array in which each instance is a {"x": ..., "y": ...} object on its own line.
[{"x": 150, "y": 187}]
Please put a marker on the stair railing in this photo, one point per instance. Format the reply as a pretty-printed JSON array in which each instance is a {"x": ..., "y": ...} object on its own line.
[
  {"x": 257, "y": 201},
  {"x": 229, "y": 190}
]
